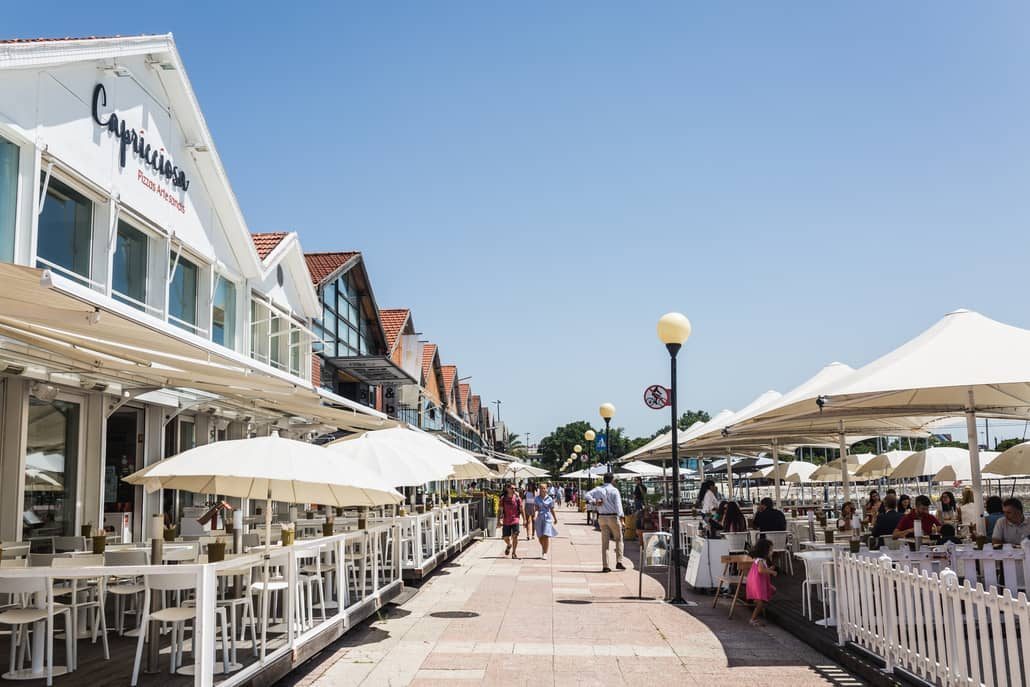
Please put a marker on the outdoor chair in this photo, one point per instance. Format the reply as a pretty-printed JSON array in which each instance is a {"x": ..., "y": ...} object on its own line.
[
  {"x": 85, "y": 594},
  {"x": 309, "y": 579},
  {"x": 813, "y": 581},
  {"x": 65, "y": 544},
  {"x": 126, "y": 588},
  {"x": 37, "y": 605},
  {"x": 177, "y": 616},
  {"x": 737, "y": 541},
  {"x": 13, "y": 550},
  {"x": 780, "y": 548},
  {"x": 739, "y": 563}
]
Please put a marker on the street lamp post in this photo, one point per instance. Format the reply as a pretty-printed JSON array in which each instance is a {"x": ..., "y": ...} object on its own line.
[
  {"x": 607, "y": 411},
  {"x": 673, "y": 331}
]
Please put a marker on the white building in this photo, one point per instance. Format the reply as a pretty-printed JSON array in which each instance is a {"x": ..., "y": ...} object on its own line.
[{"x": 136, "y": 317}]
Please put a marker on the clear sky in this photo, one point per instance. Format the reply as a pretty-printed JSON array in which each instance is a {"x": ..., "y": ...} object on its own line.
[{"x": 539, "y": 182}]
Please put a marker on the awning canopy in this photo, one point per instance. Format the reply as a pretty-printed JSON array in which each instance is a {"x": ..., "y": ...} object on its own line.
[
  {"x": 372, "y": 369},
  {"x": 48, "y": 318}
]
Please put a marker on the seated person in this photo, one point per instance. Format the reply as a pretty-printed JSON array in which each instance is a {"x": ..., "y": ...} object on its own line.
[
  {"x": 768, "y": 518},
  {"x": 921, "y": 512},
  {"x": 887, "y": 521},
  {"x": 948, "y": 534},
  {"x": 1013, "y": 528}
]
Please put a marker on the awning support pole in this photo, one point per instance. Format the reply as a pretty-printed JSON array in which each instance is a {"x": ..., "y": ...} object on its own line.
[
  {"x": 974, "y": 462},
  {"x": 846, "y": 488},
  {"x": 46, "y": 185}
]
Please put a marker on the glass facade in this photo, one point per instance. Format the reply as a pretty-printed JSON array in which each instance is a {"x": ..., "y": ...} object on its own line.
[
  {"x": 182, "y": 294},
  {"x": 223, "y": 313},
  {"x": 129, "y": 271},
  {"x": 65, "y": 231},
  {"x": 51, "y": 462},
  {"x": 8, "y": 198},
  {"x": 342, "y": 327}
]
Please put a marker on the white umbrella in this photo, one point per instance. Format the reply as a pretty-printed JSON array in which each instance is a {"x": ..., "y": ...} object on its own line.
[
  {"x": 793, "y": 471},
  {"x": 396, "y": 460},
  {"x": 831, "y": 471},
  {"x": 270, "y": 468},
  {"x": 962, "y": 470},
  {"x": 1013, "y": 461},
  {"x": 882, "y": 465},
  {"x": 644, "y": 469},
  {"x": 930, "y": 461},
  {"x": 516, "y": 470}
]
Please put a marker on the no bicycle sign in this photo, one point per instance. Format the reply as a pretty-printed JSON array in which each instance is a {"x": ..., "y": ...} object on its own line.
[{"x": 657, "y": 397}]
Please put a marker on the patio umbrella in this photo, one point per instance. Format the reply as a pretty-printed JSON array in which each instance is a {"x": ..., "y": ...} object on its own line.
[
  {"x": 1013, "y": 461},
  {"x": 930, "y": 461},
  {"x": 270, "y": 468},
  {"x": 515, "y": 470},
  {"x": 881, "y": 465},
  {"x": 644, "y": 469},
  {"x": 793, "y": 471},
  {"x": 961, "y": 471},
  {"x": 831, "y": 471}
]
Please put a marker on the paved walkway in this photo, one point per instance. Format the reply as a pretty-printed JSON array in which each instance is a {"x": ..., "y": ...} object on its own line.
[{"x": 487, "y": 619}]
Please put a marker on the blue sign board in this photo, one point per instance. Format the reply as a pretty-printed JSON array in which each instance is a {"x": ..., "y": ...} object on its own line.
[{"x": 599, "y": 443}]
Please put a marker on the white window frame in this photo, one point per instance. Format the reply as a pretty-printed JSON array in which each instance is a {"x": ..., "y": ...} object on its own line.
[
  {"x": 53, "y": 171},
  {"x": 176, "y": 251},
  {"x": 153, "y": 239}
]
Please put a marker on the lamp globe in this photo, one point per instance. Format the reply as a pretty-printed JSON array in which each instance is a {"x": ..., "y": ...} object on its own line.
[{"x": 674, "y": 328}]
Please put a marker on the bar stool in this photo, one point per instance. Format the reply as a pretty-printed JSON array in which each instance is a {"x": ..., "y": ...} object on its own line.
[
  {"x": 126, "y": 588},
  {"x": 85, "y": 594}
]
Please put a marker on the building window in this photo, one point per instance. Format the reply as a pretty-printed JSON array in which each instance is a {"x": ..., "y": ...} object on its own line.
[
  {"x": 343, "y": 327},
  {"x": 223, "y": 313},
  {"x": 296, "y": 352},
  {"x": 65, "y": 231},
  {"x": 259, "y": 328},
  {"x": 276, "y": 339},
  {"x": 275, "y": 346},
  {"x": 8, "y": 198},
  {"x": 129, "y": 275},
  {"x": 51, "y": 462},
  {"x": 182, "y": 294}
]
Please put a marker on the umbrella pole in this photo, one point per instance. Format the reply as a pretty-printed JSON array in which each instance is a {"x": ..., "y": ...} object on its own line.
[
  {"x": 264, "y": 591},
  {"x": 844, "y": 463},
  {"x": 776, "y": 472},
  {"x": 974, "y": 459}
]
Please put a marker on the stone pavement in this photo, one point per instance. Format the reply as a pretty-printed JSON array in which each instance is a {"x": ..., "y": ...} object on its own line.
[{"x": 487, "y": 619}]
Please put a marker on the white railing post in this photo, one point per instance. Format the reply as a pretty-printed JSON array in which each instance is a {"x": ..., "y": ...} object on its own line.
[
  {"x": 204, "y": 628},
  {"x": 342, "y": 586},
  {"x": 843, "y": 617},
  {"x": 1026, "y": 561},
  {"x": 397, "y": 562},
  {"x": 292, "y": 590},
  {"x": 376, "y": 545},
  {"x": 886, "y": 573}
]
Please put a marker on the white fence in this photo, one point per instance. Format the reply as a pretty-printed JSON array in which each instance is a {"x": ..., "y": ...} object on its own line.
[
  {"x": 934, "y": 627},
  {"x": 428, "y": 538}
]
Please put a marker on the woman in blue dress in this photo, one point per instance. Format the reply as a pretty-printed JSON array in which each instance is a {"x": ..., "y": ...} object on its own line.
[{"x": 545, "y": 518}]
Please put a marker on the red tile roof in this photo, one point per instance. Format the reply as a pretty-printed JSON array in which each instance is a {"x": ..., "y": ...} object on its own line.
[
  {"x": 266, "y": 243},
  {"x": 321, "y": 265},
  {"x": 428, "y": 353},
  {"x": 450, "y": 373},
  {"x": 465, "y": 391},
  {"x": 475, "y": 405},
  {"x": 393, "y": 320}
]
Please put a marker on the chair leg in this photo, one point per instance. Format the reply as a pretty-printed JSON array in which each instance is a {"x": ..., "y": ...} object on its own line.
[
  {"x": 102, "y": 610},
  {"x": 225, "y": 643},
  {"x": 139, "y": 640}
]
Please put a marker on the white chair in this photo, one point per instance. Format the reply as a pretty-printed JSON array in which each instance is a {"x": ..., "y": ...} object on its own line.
[
  {"x": 813, "y": 580},
  {"x": 12, "y": 550},
  {"x": 309, "y": 579},
  {"x": 737, "y": 541},
  {"x": 779, "y": 542},
  {"x": 126, "y": 588},
  {"x": 37, "y": 605},
  {"x": 85, "y": 594},
  {"x": 65, "y": 544},
  {"x": 177, "y": 616}
]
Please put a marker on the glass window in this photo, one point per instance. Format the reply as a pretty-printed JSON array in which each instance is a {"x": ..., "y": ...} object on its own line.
[
  {"x": 65, "y": 230},
  {"x": 330, "y": 325},
  {"x": 129, "y": 277},
  {"x": 258, "y": 331},
  {"x": 275, "y": 351},
  {"x": 182, "y": 294},
  {"x": 223, "y": 313},
  {"x": 342, "y": 305},
  {"x": 8, "y": 198},
  {"x": 295, "y": 350},
  {"x": 51, "y": 462}
]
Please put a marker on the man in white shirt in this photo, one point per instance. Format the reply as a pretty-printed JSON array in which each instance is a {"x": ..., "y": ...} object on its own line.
[{"x": 609, "y": 515}]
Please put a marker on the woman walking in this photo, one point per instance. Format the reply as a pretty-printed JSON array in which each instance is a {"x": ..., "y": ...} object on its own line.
[
  {"x": 546, "y": 519},
  {"x": 529, "y": 504}
]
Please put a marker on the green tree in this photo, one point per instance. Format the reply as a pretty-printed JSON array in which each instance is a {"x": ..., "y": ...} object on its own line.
[
  {"x": 686, "y": 420},
  {"x": 556, "y": 446},
  {"x": 1007, "y": 444}
]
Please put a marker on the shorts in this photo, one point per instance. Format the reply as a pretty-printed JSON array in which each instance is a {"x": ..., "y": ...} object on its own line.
[{"x": 509, "y": 530}]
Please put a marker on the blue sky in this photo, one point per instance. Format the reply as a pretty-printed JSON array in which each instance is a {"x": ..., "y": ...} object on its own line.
[{"x": 539, "y": 182}]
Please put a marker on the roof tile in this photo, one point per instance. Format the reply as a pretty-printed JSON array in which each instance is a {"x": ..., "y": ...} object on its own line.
[
  {"x": 428, "y": 354},
  {"x": 450, "y": 373},
  {"x": 266, "y": 243},
  {"x": 321, "y": 265},
  {"x": 393, "y": 320}
]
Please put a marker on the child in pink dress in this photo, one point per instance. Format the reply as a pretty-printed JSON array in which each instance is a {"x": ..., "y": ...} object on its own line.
[{"x": 759, "y": 579}]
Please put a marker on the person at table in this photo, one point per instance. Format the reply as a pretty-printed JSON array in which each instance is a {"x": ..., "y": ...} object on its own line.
[
  {"x": 733, "y": 520},
  {"x": 904, "y": 504},
  {"x": 707, "y": 499},
  {"x": 948, "y": 535},
  {"x": 890, "y": 492},
  {"x": 948, "y": 512},
  {"x": 887, "y": 521},
  {"x": 872, "y": 506},
  {"x": 968, "y": 513},
  {"x": 768, "y": 518},
  {"x": 1013, "y": 528},
  {"x": 847, "y": 517},
  {"x": 995, "y": 512},
  {"x": 921, "y": 513}
]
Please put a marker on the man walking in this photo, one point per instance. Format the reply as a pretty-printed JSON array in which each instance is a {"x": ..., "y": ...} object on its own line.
[
  {"x": 511, "y": 509},
  {"x": 609, "y": 516}
]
